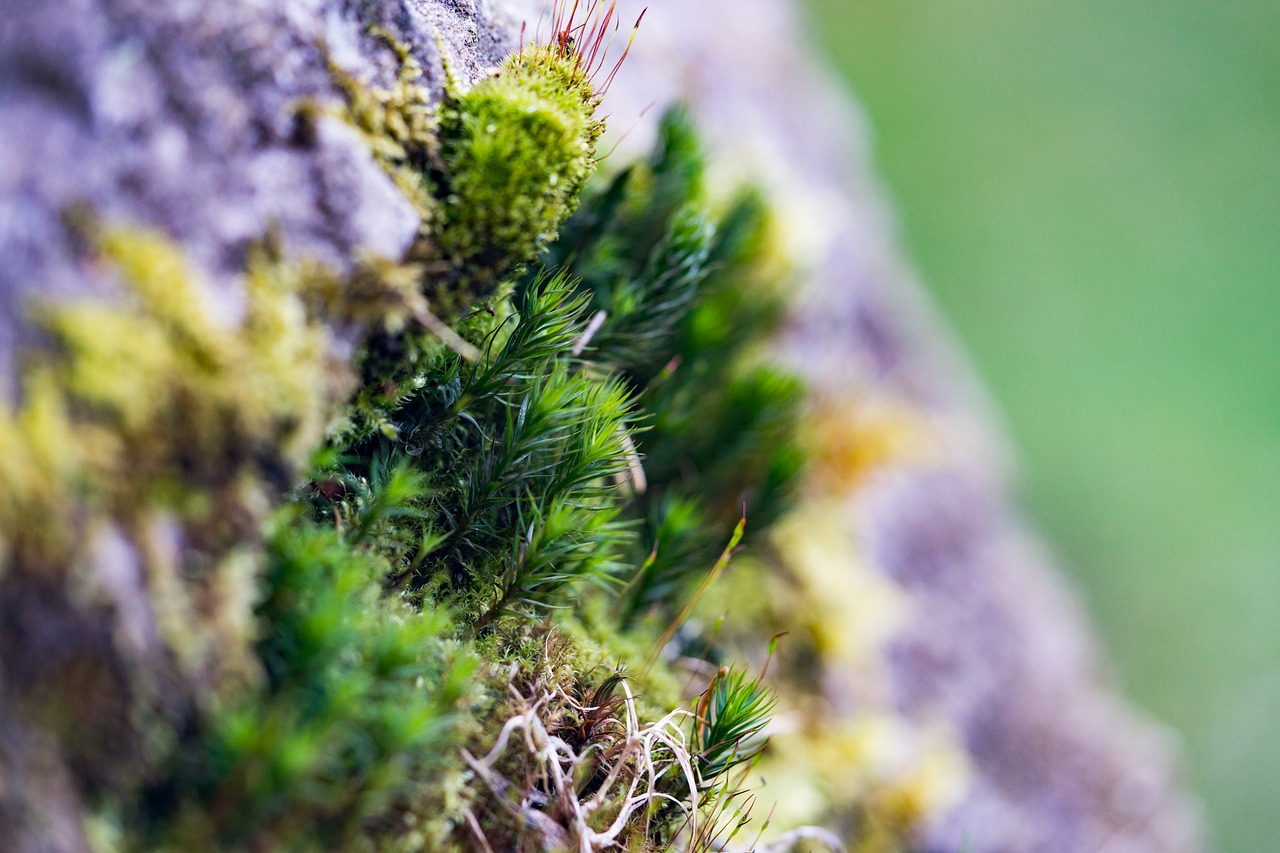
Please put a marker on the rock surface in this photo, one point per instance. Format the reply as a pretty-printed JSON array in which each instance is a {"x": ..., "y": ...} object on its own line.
[
  {"x": 180, "y": 116},
  {"x": 994, "y": 641}
]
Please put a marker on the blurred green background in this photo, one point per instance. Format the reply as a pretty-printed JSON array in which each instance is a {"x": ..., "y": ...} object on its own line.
[{"x": 1092, "y": 192}]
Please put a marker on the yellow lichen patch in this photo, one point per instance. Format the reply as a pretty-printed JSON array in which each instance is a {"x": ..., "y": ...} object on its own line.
[
  {"x": 38, "y": 469},
  {"x": 182, "y": 389},
  {"x": 896, "y": 774},
  {"x": 850, "y": 610},
  {"x": 851, "y": 439},
  {"x": 152, "y": 416},
  {"x": 914, "y": 773},
  {"x": 398, "y": 124}
]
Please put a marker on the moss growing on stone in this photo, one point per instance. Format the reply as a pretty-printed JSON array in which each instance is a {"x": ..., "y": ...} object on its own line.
[
  {"x": 494, "y": 540},
  {"x": 137, "y": 469},
  {"x": 493, "y": 170},
  {"x": 516, "y": 150}
]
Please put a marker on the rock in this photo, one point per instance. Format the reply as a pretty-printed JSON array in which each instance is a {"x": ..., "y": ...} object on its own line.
[
  {"x": 182, "y": 116},
  {"x": 995, "y": 642}
]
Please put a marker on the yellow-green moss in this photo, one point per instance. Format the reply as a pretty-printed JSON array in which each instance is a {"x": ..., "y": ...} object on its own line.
[
  {"x": 399, "y": 125},
  {"x": 516, "y": 150},
  {"x": 493, "y": 171},
  {"x": 151, "y": 417}
]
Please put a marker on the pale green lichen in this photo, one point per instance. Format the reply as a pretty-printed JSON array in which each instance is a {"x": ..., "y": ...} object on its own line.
[
  {"x": 175, "y": 390},
  {"x": 399, "y": 124},
  {"x": 152, "y": 418}
]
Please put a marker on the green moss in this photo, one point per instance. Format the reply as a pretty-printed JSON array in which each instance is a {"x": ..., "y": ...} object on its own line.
[
  {"x": 686, "y": 291},
  {"x": 516, "y": 150},
  {"x": 509, "y": 491},
  {"x": 354, "y": 723},
  {"x": 493, "y": 170}
]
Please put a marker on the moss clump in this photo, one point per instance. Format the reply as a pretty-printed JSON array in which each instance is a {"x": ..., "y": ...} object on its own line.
[
  {"x": 493, "y": 170},
  {"x": 684, "y": 294},
  {"x": 510, "y": 490},
  {"x": 349, "y": 734},
  {"x": 147, "y": 390},
  {"x": 156, "y": 407},
  {"x": 516, "y": 150}
]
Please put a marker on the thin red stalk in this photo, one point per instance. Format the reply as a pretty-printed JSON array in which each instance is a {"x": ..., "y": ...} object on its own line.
[
  {"x": 599, "y": 46},
  {"x": 614, "y": 73},
  {"x": 598, "y": 32},
  {"x": 573, "y": 13},
  {"x": 616, "y": 29},
  {"x": 604, "y": 54}
]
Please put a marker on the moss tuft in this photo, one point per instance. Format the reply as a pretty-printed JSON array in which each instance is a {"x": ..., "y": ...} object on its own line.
[
  {"x": 516, "y": 150},
  {"x": 493, "y": 170}
]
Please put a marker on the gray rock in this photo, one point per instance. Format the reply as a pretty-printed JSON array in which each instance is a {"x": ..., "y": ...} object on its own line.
[
  {"x": 996, "y": 644},
  {"x": 178, "y": 115}
]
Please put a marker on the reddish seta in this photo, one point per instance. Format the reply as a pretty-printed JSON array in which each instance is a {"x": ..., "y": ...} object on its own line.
[{"x": 587, "y": 39}]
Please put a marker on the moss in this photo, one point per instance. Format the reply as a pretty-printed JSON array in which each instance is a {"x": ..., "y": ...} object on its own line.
[
  {"x": 147, "y": 390},
  {"x": 353, "y": 726},
  {"x": 40, "y": 468},
  {"x": 151, "y": 424},
  {"x": 516, "y": 150},
  {"x": 479, "y": 540},
  {"x": 493, "y": 170}
]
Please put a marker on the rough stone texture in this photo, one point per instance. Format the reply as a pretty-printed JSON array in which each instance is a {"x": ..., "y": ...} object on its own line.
[
  {"x": 995, "y": 642},
  {"x": 178, "y": 115}
]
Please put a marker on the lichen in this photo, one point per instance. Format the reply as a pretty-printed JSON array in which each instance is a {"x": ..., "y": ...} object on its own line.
[
  {"x": 152, "y": 422},
  {"x": 399, "y": 124}
]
